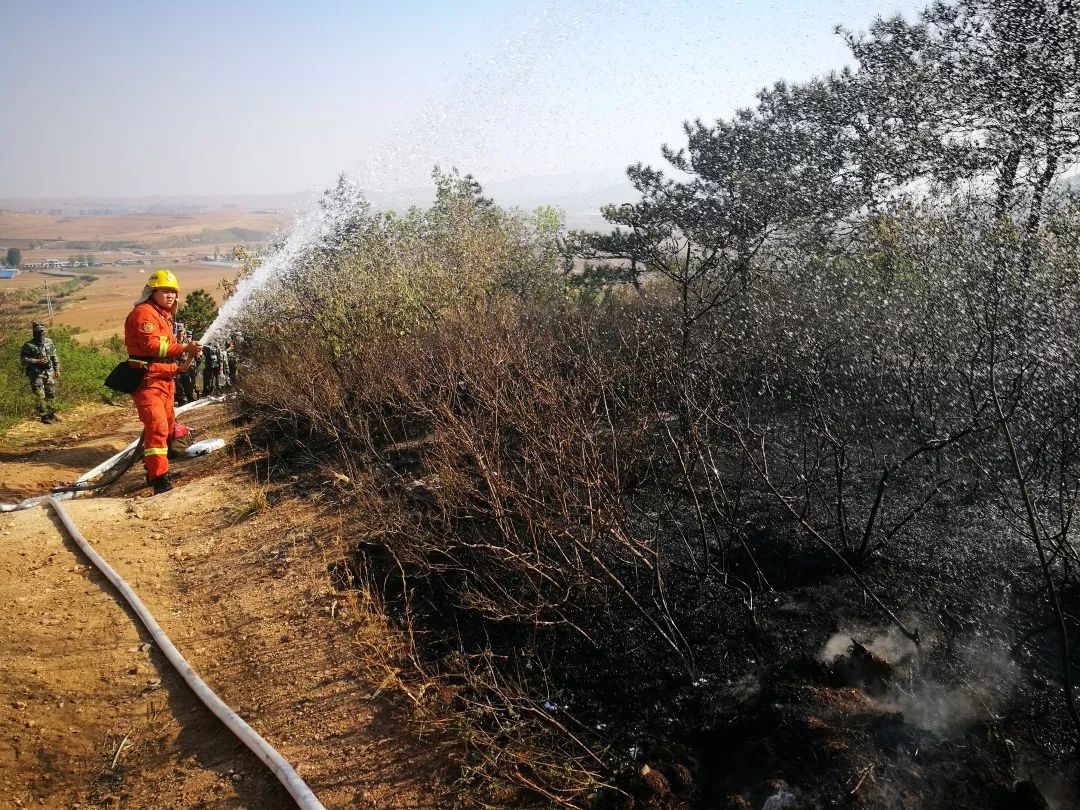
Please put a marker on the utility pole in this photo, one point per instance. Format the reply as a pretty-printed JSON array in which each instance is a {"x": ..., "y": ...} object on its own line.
[{"x": 48, "y": 299}]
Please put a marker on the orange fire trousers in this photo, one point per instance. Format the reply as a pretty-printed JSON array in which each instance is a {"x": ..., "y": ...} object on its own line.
[{"x": 154, "y": 401}]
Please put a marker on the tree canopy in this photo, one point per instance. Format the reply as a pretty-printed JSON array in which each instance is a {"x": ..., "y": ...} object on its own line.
[
  {"x": 978, "y": 95},
  {"x": 198, "y": 311}
]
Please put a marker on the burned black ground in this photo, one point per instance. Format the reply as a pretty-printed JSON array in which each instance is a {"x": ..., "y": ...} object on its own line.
[{"x": 799, "y": 688}]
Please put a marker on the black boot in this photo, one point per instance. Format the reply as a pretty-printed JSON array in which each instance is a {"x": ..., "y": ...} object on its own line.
[
  {"x": 161, "y": 484},
  {"x": 46, "y": 418}
]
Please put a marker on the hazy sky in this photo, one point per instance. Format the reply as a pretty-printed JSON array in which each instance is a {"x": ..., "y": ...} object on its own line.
[{"x": 117, "y": 97}]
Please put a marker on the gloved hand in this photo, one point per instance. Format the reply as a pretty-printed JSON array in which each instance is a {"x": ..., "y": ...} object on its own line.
[{"x": 193, "y": 348}]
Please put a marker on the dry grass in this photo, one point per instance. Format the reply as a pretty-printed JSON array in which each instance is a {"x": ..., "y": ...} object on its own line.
[
  {"x": 256, "y": 503},
  {"x": 496, "y": 761}
]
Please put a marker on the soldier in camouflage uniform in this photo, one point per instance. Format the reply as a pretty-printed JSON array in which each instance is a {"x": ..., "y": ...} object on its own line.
[
  {"x": 42, "y": 368},
  {"x": 225, "y": 377},
  {"x": 211, "y": 369},
  {"x": 185, "y": 380},
  {"x": 236, "y": 348}
]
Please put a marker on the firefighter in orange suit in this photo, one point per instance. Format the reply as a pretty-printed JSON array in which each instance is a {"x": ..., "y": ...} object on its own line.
[{"x": 148, "y": 335}]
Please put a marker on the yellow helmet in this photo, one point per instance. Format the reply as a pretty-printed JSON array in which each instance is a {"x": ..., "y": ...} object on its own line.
[{"x": 163, "y": 280}]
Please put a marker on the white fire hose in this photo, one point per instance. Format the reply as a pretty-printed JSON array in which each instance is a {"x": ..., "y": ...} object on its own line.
[
  {"x": 101, "y": 468},
  {"x": 286, "y": 775},
  {"x": 277, "y": 764}
]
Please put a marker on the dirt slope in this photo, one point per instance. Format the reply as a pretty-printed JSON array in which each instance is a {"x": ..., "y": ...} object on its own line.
[
  {"x": 91, "y": 715},
  {"x": 34, "y": 457}
]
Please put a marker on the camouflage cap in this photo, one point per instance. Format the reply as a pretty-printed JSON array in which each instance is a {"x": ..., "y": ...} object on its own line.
[{"x": 38, "y": 326}]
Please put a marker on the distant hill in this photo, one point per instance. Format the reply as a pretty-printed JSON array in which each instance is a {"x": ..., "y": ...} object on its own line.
[
  {"x": 157, "y": 204},
  {"x": 580, "y": 196}
]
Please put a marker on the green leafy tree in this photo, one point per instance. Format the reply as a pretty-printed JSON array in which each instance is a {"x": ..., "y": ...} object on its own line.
[
  {"x": 997, "y": 81},
  {"x": 14, "y": 257},
  {"x": 198, "y": 311}
]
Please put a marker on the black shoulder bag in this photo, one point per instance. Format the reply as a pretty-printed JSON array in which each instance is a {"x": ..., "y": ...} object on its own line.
[{"x": 124, "y": 378}]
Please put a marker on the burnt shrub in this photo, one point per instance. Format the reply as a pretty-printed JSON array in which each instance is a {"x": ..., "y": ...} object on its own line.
[{"x": 601, "y": 522}]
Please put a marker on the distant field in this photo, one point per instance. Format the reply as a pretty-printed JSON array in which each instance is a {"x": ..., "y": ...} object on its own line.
[
  {"x": 182, "y": 239},
  {"x": 178, "y": 236},
  {"x": 100, "y": 308}
]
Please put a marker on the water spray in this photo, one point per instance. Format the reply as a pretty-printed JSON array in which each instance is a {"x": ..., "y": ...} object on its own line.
[
  {"x": 314, "y": 227},
  {"x": 459, "y": 127}
]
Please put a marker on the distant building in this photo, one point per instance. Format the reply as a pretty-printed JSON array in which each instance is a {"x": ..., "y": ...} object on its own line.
[{"x": 8, "y": 272}]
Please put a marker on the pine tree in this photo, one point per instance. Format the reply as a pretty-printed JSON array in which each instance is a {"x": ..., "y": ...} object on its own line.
[{"x": 198, "y": 311}]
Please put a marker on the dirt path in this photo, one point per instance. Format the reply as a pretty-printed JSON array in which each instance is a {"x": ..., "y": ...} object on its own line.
[
  {"x": 33, "y": 456},
  {"x": 86, "y": 697},
  {"x": 90, "y": 713}
]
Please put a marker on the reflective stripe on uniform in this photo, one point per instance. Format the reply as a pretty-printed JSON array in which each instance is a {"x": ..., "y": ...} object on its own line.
[
  {"x": 155, "y": 451},
  {"x": 145, "y": 361},
  {"x": 163, "y": 346}
]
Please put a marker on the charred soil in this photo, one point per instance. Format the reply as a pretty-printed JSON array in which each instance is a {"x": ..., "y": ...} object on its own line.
[{"x": 800, "y": 692}]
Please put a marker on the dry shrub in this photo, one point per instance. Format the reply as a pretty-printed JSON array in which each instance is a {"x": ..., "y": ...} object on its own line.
[
  {"x": 487, "y": 460},
  {"x": 474, "y": 415},
  {"x": 548, "y": 492}
]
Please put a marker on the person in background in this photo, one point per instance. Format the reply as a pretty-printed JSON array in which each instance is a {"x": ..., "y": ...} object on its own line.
[
  {"x": 186, "y": 376},
  {"x": 236, "y": 355},
  {"x": 38, "y": 356},
  {"x": 225, "y": 378},
  {"x": 148, "y": 335},
  {"x": 211, "y": 369}
]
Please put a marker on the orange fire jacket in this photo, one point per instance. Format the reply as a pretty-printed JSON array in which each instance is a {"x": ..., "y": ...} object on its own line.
[{"x": 148, "y": 336}]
